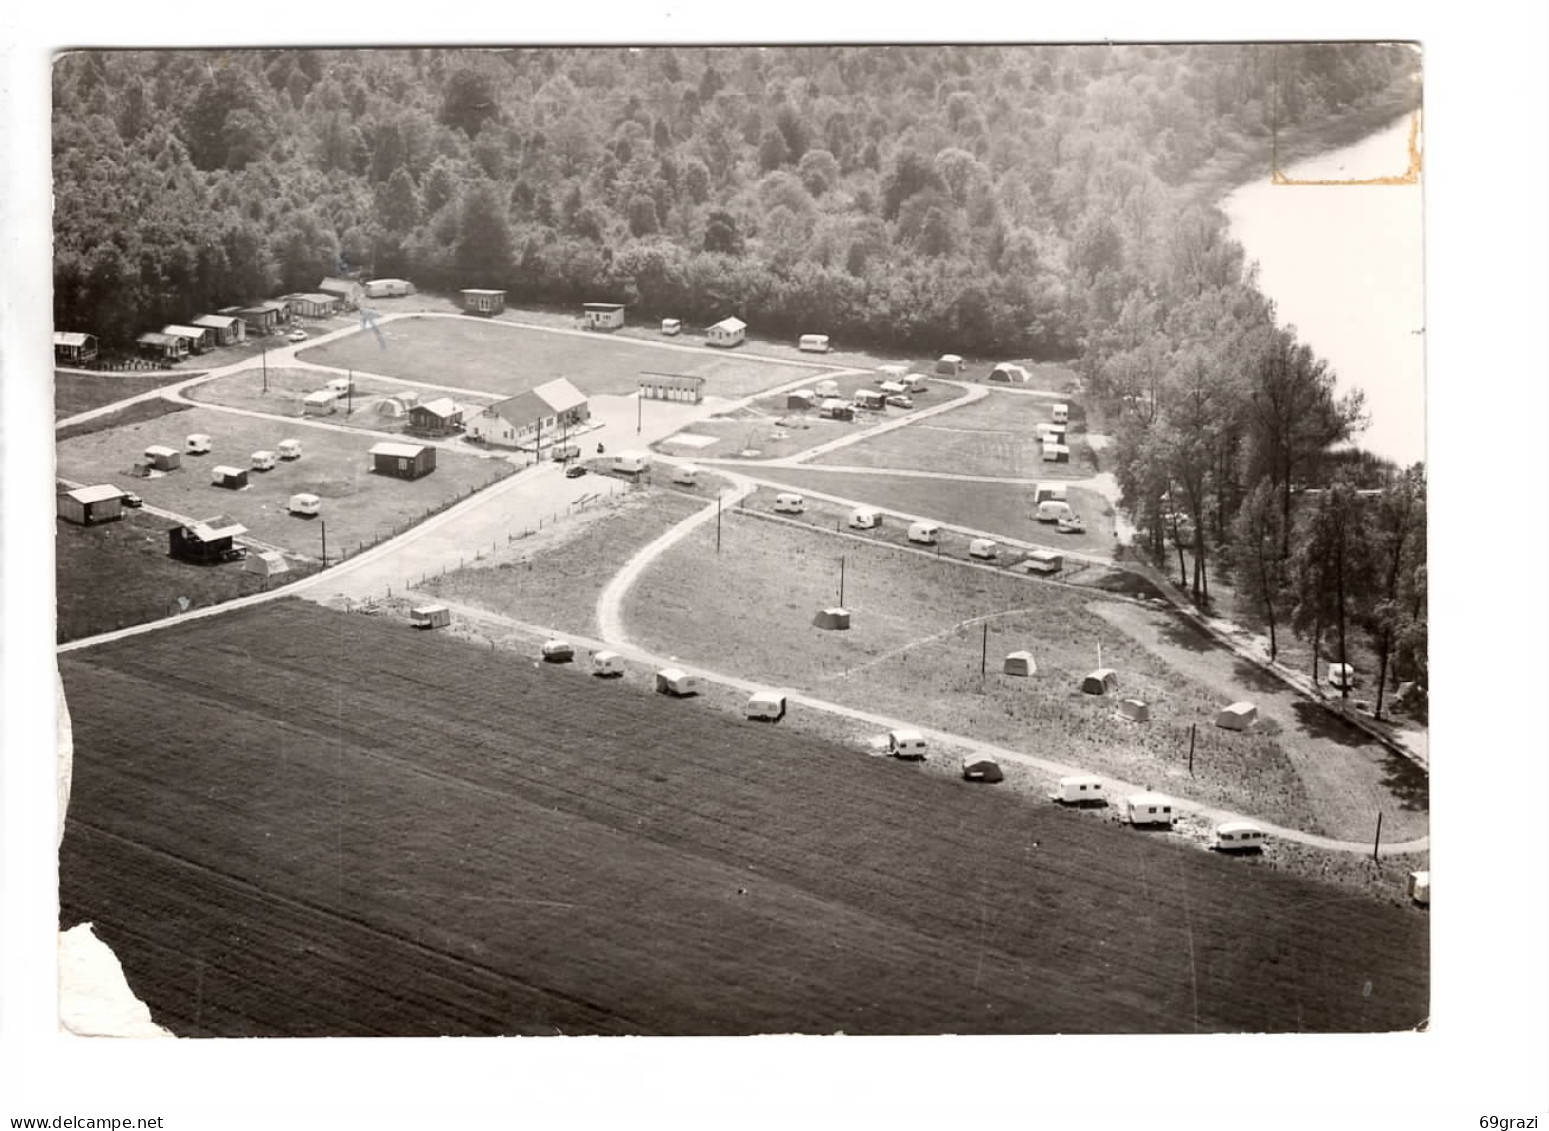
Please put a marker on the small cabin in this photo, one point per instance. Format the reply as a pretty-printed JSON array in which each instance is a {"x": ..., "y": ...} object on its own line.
[
  {"x": 162, "y": 347},
  {"x": 986, "y": 549},
  {"x": 197, "y": 444},
  {"x": 1020, "y": 663},
  {"x": 864, "y": 518},
  {"x": 1237, "y": 836},
  {"x": 1080, "y": 789},
  {"x": 1061, "y": 414},
  {"x": 1149, "y": 809},
  {"x": 672, "y": 327},
  {"x": 208, "y": 542},
  {"x": 557, "y": 651},
  {"x": 1238, "y": 716},
  {"x": 290, "y": 449},
  {"x": 88, "y": 506},
  {"x": 263, "y": 460},
  {"x": 1044, "y": 561},
  {"x": 1103, "y": 681},
  {"x": 163, "y": 458},
  {"x": 430, "y": 616},
  {"x": 232, "y": 478},
  {"x": 906, "y": 742},
  {"x": 403, "y": 461},
  {"x": 727, "y": 333},
  {"x": 485, "y": 302},
  {"x": 677, "y": 682},
  {"x": 74, "y": 348},
  {"x": 925, "y": 533},
  {"x": 225, "y": 329},
  {"x": 813, "y": 343},
  {"x": 766, "y": 705},
  {"x": 976, "y": 767},
  {"x": 199, "y": 338},
  {"x": 833, "y": 619},
  {"x": 949, "y": 365},
  {"x": 1134, "y": 710},
  {"x": 788, "y": 502},
  {"x": 607, "y": 664},
  {"x": 603, "y": 315},
  {"x": 304, "y": 504}
]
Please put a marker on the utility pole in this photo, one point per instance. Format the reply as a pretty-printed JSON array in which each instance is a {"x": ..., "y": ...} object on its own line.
[
  {"x": 984, "y": 650},
  {"x": 322, "y": 526},
  {"x": 718, "y": 522},
  {"x": 1378, "y": 842},
  {"x": 841, "y": 581},
  {"x": 639, "y": 411},
  {"x": 349, "y": 395},
  {"x": 263, "y": 353},
  {"x": 1192, "y": 728}
]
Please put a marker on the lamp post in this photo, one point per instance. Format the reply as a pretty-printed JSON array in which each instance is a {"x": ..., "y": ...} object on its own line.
[{"x": 322, "y": 526}]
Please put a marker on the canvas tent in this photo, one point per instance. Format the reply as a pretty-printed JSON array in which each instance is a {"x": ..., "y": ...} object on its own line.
[
  {"x": 1007, "y": 374},
  {"x": 1135, "y": 710},
  {"x": 1238, "y": 716},
  {"x": 269, "y": 563},
  {"x": 1103, "y": 681},
  {"x": 1020, "y": 663},
  {"x": 979, "y": 768},
  {"x": 832, "y": 618}
]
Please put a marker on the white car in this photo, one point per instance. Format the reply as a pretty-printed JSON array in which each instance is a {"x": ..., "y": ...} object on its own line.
[
  {"x": 898, "y": 400},
  {"x": 1072, "y": 525},
  {"x": 296, "y": 336}
]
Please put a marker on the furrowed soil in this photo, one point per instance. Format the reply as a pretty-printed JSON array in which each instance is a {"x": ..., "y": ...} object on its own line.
[{"x": 297, "y": 838}]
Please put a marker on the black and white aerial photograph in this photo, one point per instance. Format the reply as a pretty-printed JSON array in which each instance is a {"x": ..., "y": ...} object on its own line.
[{"x": 715, "y": 540}]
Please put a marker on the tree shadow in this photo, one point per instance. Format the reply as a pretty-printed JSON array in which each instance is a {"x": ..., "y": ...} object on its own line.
[
  {"x": 1183, "y": 632},
  {"x": 1319, "y": 722},
  {"x": 1251, "y": 675},
  {"x": 1407, "y": 782}
]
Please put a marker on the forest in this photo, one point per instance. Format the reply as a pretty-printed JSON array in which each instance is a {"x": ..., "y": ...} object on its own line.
[{"x": 996, "y": 201}]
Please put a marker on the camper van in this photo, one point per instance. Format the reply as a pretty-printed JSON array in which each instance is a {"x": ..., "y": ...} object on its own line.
[
  {"x": 906, "y": 742},
  {"x": 1237, "y": 836},
  {"x": 925, "y": 533},
  {"x": 1052, "y": 510},
  {"x": 864, "y": 518},
  {"x": 263, "y": 461},
  {"x": 788, "y": 502},
  {"x": 197, "y": 444},
  {"x": 305, "y": 504},
  {"x": 870, "y": 399},
  {"x": 1080, "y": 789},
  {"x": 983, "y": 548},
  {"x": 290, "y": 449},
  {"x": 813, "y": 343},
  {"x": 1148, "y": 809},
  {"x": 767, "y": 705}
]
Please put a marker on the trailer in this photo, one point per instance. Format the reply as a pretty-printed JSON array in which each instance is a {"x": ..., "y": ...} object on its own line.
[
  {"x": 430, "y": 616},
  {"x": 263, "y": 460},
  {"x": 290, "y": 449},
  {"x": 1237, "y": 836},
  {"x": 985, "y": 549},
  {"x": 766, "y": 705},
  {"x": 925, "y": 533},
  {"x": 1080, "y": 789},
  {"x": 557, "y": 651},
  {"x": 1149, "y": 809},
  {"x": 906, "y": 743},
  {"x": 197, "y": 444},
  {"x": 676, "y": 682},
  {"x": 609, "y": 665},
  {"x": 305, "y": 505}
]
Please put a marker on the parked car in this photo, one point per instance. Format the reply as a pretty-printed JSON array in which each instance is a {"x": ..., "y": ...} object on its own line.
[
  {"x": 898, "y": 400},
  {"x": 297, "y": 335},
  {"x": 574, "y": 471},
  {"x": 133, "y": 500},
  {"x": 1074, "y": 524}
]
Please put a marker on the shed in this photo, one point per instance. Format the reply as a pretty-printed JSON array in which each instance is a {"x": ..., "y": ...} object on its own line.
[
  {"x": 389, "y": 288},
  {"x": 1148, "y": 809},
  {"x": 263, "y": 460},
  {"x": 676, "y": 681},
  {"x": 403, "y": 461},
  {"x": 1238, "y": 716},
  {"x": 1419, "y": 887},
  {"x": 801, "y": 399},
  {"x": 672, "y": 327},
  {"x": 979, "y": 768},
  {"x": 607, "y": 664},
  {"x": 205, "y": 542},
  {"x": 1056, "y": 453},
  {"x": 484, "y": 302},
  {"x": 290, "y": 449},
  {"x": 1061, "y": 414},
  {"x": 234, "y": 478},
  {"x": 767, "y": 705},
  {"x": 949, "y": 365},
  {"x": 1047, "y": 491},
  {"x": 906, "y": 742},
  {"x": 832, "y": 618},
  {"x": 603, "y": 315},
  {"x": 165, "y": 347},
  {"x": 727, "y": 332},
  {"x": 430, "y": 616},
  {"x": 73, "y": 348},
  {"x": 315, "y": 305},
  {"x": 439, "y": 416},
  {"x": 228, "y": 331},
  {"x": 323, "y": 402},
  {"x": 864, "y": 518},
  {"x": 199, "y": 338},
  {"x": 163, "y": 458},
  {"x": 1080, "y": 789},
  {"x": 1135, "y": 710},
  {"x": 304, "y": 504},
  {"x": 1341, "y": 675},
  {"x": 1020, "y": 663},
  {"x": 813, "y": 343},
  {"x": 984, "y": 548},
  {"x": 1103, "y": 681},
  {"x": 1007, "y": 374},
  {"x": 347, "y": 291},
  {"x": 557, "y": 651},
  {"x": 1044, "y": 561},
  {"x": 269, "y": 563},
  {"x": 88, "y": 506}
]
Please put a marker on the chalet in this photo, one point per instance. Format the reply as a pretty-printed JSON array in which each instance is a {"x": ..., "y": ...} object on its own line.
[
  {"x": 482, "y": 302},
  {"x": 525, "y": 419},
  {"x": 163, "y": 347},
  {"x": 439, "y": 417},
  {"x": 347, "y": 291},
  {"x": 226, "y": 330},
  {"x": 403, "y": 461},
  {"x": 603, "y": 315},
  {"x": 74, "y": 349},
  {"x": 313, "y": 305},
  {"x": 206, "y": 542},
  {"x": 87, "y": 506},
  {"x": 262, "y": 318},
  {"x": 728, "y": 332},
  {"x": 198, "y": 337}
]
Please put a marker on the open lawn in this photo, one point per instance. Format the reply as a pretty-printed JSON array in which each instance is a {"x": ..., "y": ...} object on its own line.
[
  {"x": 555, "y": 576},
  {"x": 1004, "y": 509},
  {"x": 753, "y": 435},
  {"x": 153, "y": 409},
  {"x": 118, "y": 574},
  {"x": 79, "y": 392},
  {"x": 358, "y": 506},
  {"x": 1044, "y": 376},
  {"x": 993, "y": 436},
  {"x": 504, "y": 360},
  {"x": 915, "y": 649},
  {"x": 287, "y": 388},
  {"x": 279, "y": 848}
]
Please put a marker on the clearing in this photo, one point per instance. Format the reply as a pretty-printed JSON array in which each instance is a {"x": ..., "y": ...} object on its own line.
[
  {"x": 81, "y": 392},
  {"x": 287, "y": 387}
]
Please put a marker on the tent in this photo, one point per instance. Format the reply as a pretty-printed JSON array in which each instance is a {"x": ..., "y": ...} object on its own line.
[
  {"x": 1020, "y": 663},
  {"x": 1135, "y": 710},
  {"x": 1103, "y": 681},
  {"x": 1007, "y": 374},
  {"x": 269, "y": 563},
  {"x": 981, "y": 769},
  {"x": 834, "y": 618},
  {"x": 1239, "y": 716}
]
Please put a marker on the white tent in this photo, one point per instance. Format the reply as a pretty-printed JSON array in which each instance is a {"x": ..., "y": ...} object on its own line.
[
  {"x": 1238, "y": 716},
  {"x": 1020, "y": 663},
  {"x": 269, "y": 563},
  {"x": 1103, "y": 681},
  {"x": 1135, "y": 710}
]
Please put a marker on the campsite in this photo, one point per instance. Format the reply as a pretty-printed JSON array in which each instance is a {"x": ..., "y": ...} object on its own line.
[{"x": 702, "y": 886}]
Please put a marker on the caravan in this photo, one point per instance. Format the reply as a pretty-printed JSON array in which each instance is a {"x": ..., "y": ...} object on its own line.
[
  {"x": 864, "y": 518},
  {"x": 813, "y": 343},
  {"x": 925, "y": 533},
  {"x": 788, "y": 502},
  {"x": 906, "y": 742}
]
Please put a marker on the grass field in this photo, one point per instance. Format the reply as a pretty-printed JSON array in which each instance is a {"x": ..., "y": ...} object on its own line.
[
  {"x": 287, "y": 387},
  {"x": 80, "y": 392},
  {"x": 137, "y": 413},
  {"x": 1045, "y": 376},
  {"x": 357, "y": 505},
  {"x": 274, "y": 849},
  {"x": 999, "y": 508},
  {"x": 505, "y": 360},
  {"x": 915, "y": 650},
  {"x": 993, "y": 436},
  {"x": 760, "y": 435}
]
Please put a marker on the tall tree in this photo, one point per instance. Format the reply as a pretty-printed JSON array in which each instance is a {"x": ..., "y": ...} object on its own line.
[
  {"x": 1398, "y": 527},
  {"x": 484, "y": 244},
  {"x": 1258, "y": 565}
]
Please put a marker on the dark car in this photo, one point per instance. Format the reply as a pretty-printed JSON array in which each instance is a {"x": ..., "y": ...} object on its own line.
[
  {"x": 133, "y": 500},
  {"x": 574, "y": 471}
]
